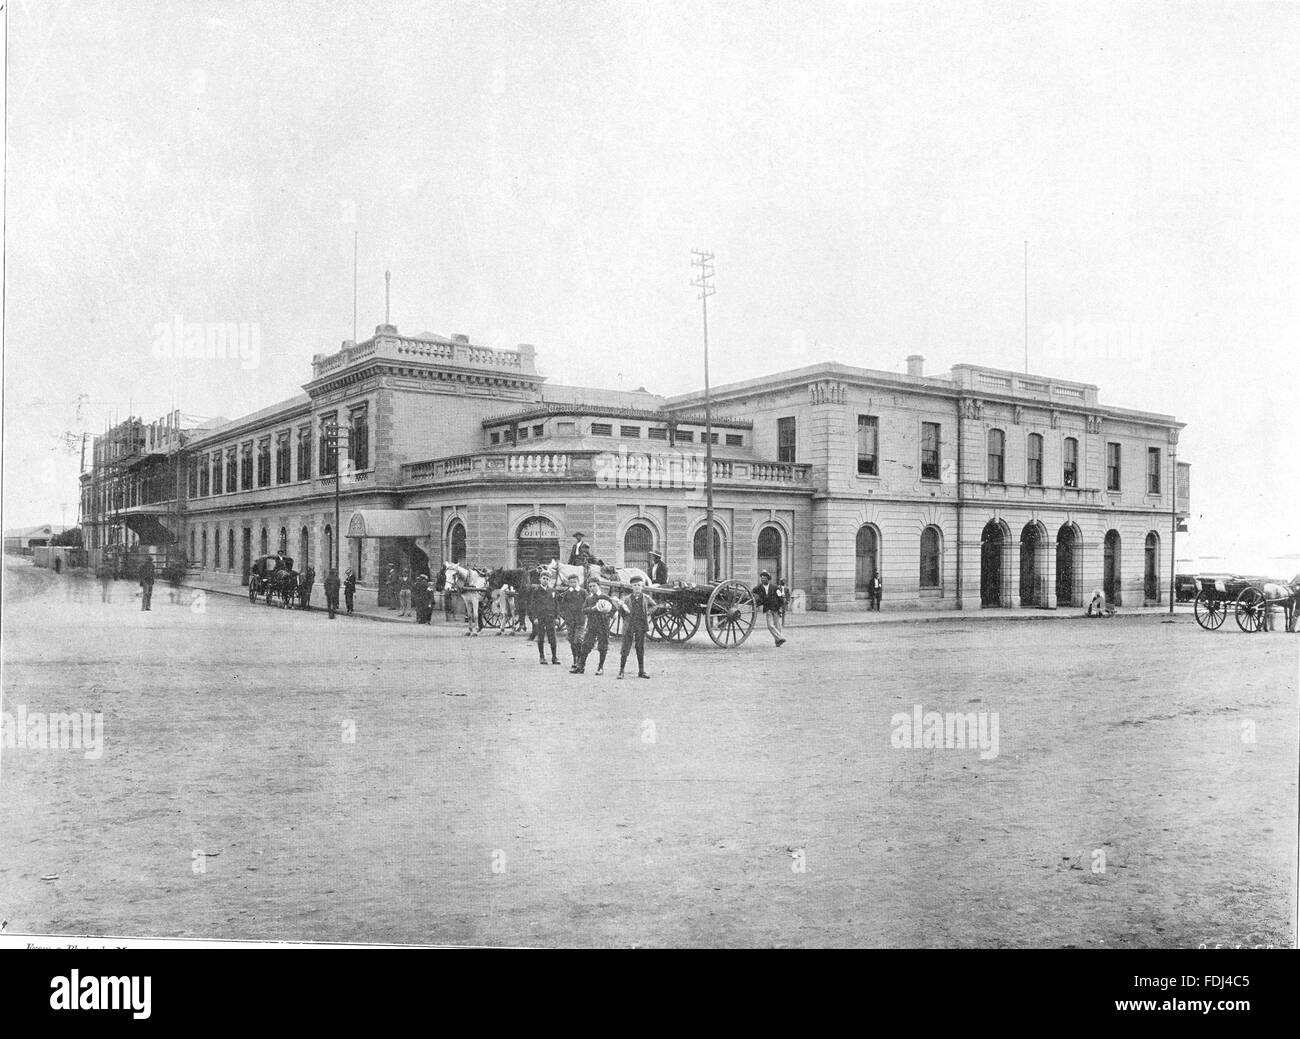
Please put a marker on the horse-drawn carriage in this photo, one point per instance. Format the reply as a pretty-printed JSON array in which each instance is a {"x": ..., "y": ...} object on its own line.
[
  {"x": 273, "y": 577},
  {"x": 1249, "y": 598}
]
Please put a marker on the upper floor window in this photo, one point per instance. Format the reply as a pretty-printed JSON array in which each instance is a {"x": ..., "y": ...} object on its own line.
[
  {"x": 264, "y": 462},
  {"x": 217, "y": 469},
  {"x": 997, "y": 456},
  {"x": 631, "y": 432},
  {"x": 658, "y": 433},
  {"x": 1070, "y": 473},
  {"x": 328, "y": 451},
  {"x": 566, "y": 429},
  {"x": 304, "y": 453},
  {"x": 683, "y": 436},
  {"x": 1153, "y": 470},
  {"x": 205, "y": 471},
  {"x": 602, "y": 429},
  {"x": 523, "y": 432},
  {"x": 1112, "y": 466},
  {"x": 1034, "y": 460},
  {"x": 494, "y": 438},
  {"x": 538, "y": 431},
  {"x": 929, "y": 450},
  {"x": 283, "y": 458},
  {"x": 785, "y": 440},
  {"x": 735, "y": 440},
  {"x": 232, "y": 470},
  {"x": 359, "y": 437},
  {"x": 868, "y": 445},
  {"x": 246, "y": 467}
]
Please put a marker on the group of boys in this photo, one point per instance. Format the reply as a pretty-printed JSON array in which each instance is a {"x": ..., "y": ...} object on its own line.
[{"x": 587, "y": 616}]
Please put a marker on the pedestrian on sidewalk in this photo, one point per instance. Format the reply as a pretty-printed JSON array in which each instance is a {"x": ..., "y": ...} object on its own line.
[
  {"x": 146, "y": 584},
  {"x": 332, "y": 592},
  {"x": 105, "y": 574},
  {"x": 349, "y": 588},
  {"x": 404, "y": 594},
  {"x": 877, "y": 588},
  {"x": 765, "y": 594}
]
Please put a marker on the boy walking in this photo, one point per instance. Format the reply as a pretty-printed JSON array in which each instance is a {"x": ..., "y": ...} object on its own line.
[{"x": 637, "y": 609}]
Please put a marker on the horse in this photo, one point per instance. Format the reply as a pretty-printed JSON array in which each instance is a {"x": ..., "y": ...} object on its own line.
[
  {"x": 561, "y": 572},
  {"x": 507, "y": 588},
  {"x": 283, "y": 585},
  {"x": 1285, "y": 595},
  {"x": 470, "y": 584}
]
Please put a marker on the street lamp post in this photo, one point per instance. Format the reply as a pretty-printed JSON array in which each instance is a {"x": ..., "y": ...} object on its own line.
[
  {"x": 336, "y": 435},
  {"x": 704, "y": 261}
]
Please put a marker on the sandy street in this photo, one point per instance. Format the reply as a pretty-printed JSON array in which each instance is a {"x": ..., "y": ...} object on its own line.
[{"x": 272, "y": 774}]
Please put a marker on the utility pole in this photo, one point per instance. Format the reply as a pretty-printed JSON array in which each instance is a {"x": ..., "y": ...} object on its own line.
[
  {"x": 1173, "y": 524},
  {"x": 1026, "y": 307},
  {"x": 335, "y": 436},
  {"x": 356, "y": 235},
  {"x": 704, "y": 282}
]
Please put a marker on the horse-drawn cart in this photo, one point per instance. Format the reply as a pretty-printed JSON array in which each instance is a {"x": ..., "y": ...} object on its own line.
[
  {"x": 272, "y": 576},
  {"x": 727, "y": 611},
  {"x": 1249, "y": 598}
]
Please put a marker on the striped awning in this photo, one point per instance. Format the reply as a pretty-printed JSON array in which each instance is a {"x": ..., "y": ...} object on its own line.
[{"x": 389, "y": 523}]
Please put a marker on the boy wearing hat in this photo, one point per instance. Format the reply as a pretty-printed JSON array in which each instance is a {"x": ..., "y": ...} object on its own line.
[
  {"x": 573, "y": 601},
  {"x": 599, "y": 610},
  {"x": 637, "y": 609}
]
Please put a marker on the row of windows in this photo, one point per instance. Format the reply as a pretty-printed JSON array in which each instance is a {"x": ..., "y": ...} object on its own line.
[
  {"x": 199, "y": 547},
  {"x": 210, "y": 476},
  {"x": 869, "y": 454},
  {"x": 606, "y": 429}
]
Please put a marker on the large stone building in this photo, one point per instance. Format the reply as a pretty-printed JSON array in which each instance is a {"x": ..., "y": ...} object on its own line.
[{"x": 977, "y": 487}]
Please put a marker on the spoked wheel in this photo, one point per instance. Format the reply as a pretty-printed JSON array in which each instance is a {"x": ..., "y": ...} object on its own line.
[
  {"x": 730, "y": 614},
  {"x": 616, "y": 624},
  {"x": 489, "y": 616},
  {"x": 1210, "y": 611},
  {"x": 1250, "y": 609},
  {"x": 252, "y": 592},
  {"x": 676, "y": 624}
]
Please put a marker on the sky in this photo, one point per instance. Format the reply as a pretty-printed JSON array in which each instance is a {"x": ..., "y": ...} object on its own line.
[{"x": 867, "y": 176}]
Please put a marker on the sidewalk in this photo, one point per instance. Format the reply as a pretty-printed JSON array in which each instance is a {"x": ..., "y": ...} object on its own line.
[{"x": 793, "y": 620}]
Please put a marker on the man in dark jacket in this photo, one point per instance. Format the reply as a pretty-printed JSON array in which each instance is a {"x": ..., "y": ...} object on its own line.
[
  {"x": 876, "y": 589},
  {"x": 573, "y": 600},
  {"x": 146, "y": 584},
  {"x": 545, "y": 608},
  {"x": 420, "y": 598},
  {"x": 305, "y": 586},
  {"x": 769, "y": 601},
  {"x": 658, "y": 570},
  {"x": 332, "y": 592},
  {"x": 349, "y": 588}
]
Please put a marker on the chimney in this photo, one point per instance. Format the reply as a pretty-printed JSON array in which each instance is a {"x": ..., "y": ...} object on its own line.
[{"x": 914, "y": 363}]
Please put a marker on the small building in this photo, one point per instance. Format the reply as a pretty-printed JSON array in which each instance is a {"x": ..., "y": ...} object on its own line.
[{"x": 23, "y": 540}]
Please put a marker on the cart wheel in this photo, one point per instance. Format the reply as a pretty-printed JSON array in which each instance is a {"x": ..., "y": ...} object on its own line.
[
  {"x": 1250, "y": 609},
  {"x": 676, "y": 624},
  {"x": 1210, "y": 611},
  {"x": 616, "y": 624},
  {"x": 489, "y": 616},
  {"x": 730, "y": 614},
  {"x": 561, "y": 628}
]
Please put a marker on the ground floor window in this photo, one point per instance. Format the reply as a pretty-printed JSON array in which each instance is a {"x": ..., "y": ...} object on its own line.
[
  {"x": 230, "y": 550},
  {"x": 216, "y": 550},
  {"x": 771, "y": 552},
  {"x": 638, "y": 543},
  {"x": 931, "y": 547},
  {"x": 538, "y": 542},
  {"x": 456, "y": 542},
  {"x": 701, "y": 554},
  {"x": 866, "y": 554}
]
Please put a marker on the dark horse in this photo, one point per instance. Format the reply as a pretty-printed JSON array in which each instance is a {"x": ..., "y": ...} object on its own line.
[{"x": 518, "y": 579}]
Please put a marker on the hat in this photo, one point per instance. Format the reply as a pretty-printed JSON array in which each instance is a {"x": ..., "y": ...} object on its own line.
[
  {"x": 580, "y": 534},
  {"x": 637, "y": 579},
  {"x": 655, "y": 555},
  {"x": 764, "y": 573}
]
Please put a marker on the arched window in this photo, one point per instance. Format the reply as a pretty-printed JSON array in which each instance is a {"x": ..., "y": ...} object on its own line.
[
  {"x": 284, "y": 541},
  {"x": 230, "y": 550},
  {"x": 304, "y": 546},
  {"x": 700, "y": 551},
  {"x": 456, "y": 542},
  {"x": 193, "y": 546},
  {"x": 771, "y": 552},
  {"x": 216, "y": 549},
  {"x": 931, "y": 553},
  {"x": 1034, "y": 459},
  {"x": 638, "y": 543},
  {"x": 997, "y": 456},
  {"x": 1151, "y": 568},
  {"x": 867, "y": 553},
  {"x": 328, "y": 561},
  {"x": 265, "y": 541},
  {"x": 1070, "y": 470},
  {"x": 204, "y": 543}
]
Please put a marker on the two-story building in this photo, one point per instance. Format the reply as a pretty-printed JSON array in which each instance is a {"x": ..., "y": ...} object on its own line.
[{"x": 976, "y": 487}]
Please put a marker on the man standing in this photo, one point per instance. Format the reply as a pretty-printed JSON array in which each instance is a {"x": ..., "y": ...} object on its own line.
[
  {"x": 573, "y": 601},
  {"x": 105, "y": 574},
  {"x": 392, "y": 586},
  {"x": 146, "y": 584},
  {"x": 404, "y": 594},
  {"x": 769, "y": 600},
  {"x": 658, "y": 570},
  {"x": 876, "y": 588},
  {"x": 332, "y": 592},
  {"x": 308, "y": 581},
  {"x": 637, "y": 609},
  {"x": 598, "y": 610},
  {"x": 349, "y": 588},
  {"x": 545, "y": 609}
]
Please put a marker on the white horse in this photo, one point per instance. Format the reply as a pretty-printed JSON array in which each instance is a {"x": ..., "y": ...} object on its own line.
[
  {"x": 470, "y": 585},
  {"x": 561, "y": 572}
]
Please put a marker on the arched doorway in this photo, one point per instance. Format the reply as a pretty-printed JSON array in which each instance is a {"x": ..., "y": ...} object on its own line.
[
  {"x": 456, "y": 542},
  {"x": 931, "y": 560},
  {"x": 537, "y": 542},
  {"x": 1151, "y": 570},
  {"x": 264, "y": 541},
  {"x": 866, "y": 560},
  {"x": 1110, "y": 579},
  {"x": 771, "y": 552},
  {"x": 204, "y": 541},
  {"x": 284, "y": 541},
  {"x": 1068, "y": 546},
  {"x": 700, "y": 552},
  {"x": 230, "y": 550},
  {"x": 993, "y": 543},
  {"x": 328, "y": 561},
  {"x": 247, "y": 568},
  {"x": 304, "y": 543},
  {"x": 1033, "y": 566},
  {"x": 638, "y": 543}
]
